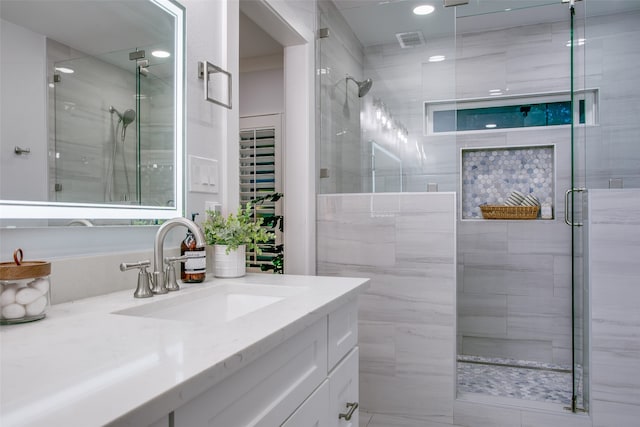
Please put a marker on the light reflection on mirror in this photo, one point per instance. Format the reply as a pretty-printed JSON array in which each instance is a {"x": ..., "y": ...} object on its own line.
[{"x": 92, "y": 121}]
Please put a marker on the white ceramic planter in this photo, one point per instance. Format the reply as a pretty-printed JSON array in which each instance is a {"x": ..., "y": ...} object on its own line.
[{"x": 229, "y": 265}]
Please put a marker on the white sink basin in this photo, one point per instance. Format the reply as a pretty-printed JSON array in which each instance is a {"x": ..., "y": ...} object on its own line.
[{"x": 219, "y": 304}]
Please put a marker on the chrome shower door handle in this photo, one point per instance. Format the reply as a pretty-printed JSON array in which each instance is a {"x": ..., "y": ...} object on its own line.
[{"x": 566, "y": 206}]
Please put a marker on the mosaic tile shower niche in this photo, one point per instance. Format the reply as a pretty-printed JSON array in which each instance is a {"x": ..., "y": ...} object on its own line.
[{"x": 489, "y": 175}]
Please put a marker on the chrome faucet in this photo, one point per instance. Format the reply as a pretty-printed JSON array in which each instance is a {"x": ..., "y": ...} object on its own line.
[{"x": 158, "y": 279}]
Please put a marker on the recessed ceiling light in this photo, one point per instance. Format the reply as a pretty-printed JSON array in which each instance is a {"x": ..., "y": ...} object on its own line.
[
  {"x": 424, "y": 9},
  {"x": 65, "y": 70},
  {"x": 436, "y": 58},
  {"x": 160, "y": 54}
]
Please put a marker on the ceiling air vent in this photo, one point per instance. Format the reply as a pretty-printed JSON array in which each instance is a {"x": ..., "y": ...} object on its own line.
[{"x": 410, "y": 39}]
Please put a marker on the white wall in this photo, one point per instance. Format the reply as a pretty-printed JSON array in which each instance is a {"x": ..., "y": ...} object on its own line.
[
  {"x": 292, "y": 24},
  {"x": 23, "y": 79},
  {"x": 261, "y": 92},
  {"x": 206, "y": 125}
]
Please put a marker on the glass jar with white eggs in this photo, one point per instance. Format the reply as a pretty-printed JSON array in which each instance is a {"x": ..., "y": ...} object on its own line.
[{"x": 24, "y": 290}]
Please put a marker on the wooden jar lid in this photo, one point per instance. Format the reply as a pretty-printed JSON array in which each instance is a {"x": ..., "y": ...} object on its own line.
[{"x": 23, "y": 269}]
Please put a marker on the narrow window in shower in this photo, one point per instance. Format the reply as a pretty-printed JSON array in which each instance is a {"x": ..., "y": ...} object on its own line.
[{"x": 515, "y": 112}]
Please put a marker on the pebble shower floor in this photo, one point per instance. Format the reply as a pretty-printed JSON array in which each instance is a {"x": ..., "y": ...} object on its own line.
[{"x": 515, "y": 378}]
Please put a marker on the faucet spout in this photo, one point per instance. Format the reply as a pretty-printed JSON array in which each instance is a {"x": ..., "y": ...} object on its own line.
[{"x": 158, "y": 248}]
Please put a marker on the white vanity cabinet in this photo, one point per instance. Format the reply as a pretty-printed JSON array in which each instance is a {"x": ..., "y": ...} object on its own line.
[
  {"x": 305, "y": 381},
  {"x": 344, "y": 392}
]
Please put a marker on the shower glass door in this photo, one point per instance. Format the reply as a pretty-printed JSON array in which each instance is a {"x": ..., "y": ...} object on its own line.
[
  {"x": 154, "y": 151},
  {"x": 518, "y": 103},
  {"x": 88, "y": 96},
  {"x": 583, "y": 115}
]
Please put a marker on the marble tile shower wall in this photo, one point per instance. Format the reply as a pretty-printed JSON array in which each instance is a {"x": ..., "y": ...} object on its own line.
[
  {"x": 491, "y": 175},
  {"x": 611, "y": 65},
  {"x": 342, "y": 152},
  {"x": 405, "y": 242},
  {"x": 514, "y": 283},
  {"x": 614, "y": 242}
]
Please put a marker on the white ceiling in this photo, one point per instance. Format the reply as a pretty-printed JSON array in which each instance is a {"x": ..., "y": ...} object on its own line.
[{"x": 376, "y": 22}]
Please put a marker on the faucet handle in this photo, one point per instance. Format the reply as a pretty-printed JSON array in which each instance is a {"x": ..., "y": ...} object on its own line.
[
  {"x": 130, "y": 265},
  {"x": 143, "y": 290},
  {"x": 171, "y": 283}
]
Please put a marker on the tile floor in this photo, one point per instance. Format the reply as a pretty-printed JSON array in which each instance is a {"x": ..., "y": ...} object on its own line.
[{"x": 519, "y": 379}]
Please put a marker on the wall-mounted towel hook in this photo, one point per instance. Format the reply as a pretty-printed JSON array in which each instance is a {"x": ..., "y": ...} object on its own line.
[{"x": 21, "y": 151}]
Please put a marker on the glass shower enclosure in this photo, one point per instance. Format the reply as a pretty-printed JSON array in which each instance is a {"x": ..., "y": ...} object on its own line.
[
  {"x": 112, "y": 137},
  {"x": 522, "y": 106},
  {"x": 538, "y": 97}
]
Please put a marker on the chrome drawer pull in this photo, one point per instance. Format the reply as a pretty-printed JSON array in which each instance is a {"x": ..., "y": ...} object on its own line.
[{"x": 352, "y": 406}]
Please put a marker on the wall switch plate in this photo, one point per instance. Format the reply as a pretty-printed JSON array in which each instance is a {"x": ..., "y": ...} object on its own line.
[
  {"x": 212, "y": 206},
  {"x": 203, "y": 175}
]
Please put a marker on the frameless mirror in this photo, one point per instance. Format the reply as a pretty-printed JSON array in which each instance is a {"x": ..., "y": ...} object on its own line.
[{"x": 91, "y": 109}]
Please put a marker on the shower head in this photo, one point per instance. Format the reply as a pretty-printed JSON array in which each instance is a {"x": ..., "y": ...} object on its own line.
[
  {"x": 112, "y": 110},
  {"x": 126, "y": 118},
  {"x": 363, "y": 86}
]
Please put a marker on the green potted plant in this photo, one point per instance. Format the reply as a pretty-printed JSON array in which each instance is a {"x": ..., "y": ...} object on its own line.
[
  {"x": 231, "y": 236},
  {"x": 275, "y": 222}
]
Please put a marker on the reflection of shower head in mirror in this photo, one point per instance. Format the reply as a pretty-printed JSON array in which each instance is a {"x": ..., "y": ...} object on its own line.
[{"x": 126, "y": 118}]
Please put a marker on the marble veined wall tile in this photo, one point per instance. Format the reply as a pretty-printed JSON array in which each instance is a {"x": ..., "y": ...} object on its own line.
[
  {"x": 407, "y": 316},
  {"x": 614, "y": 241},
  {"x": 488, "y": 237},
  {"x": 384, "y": 420},
  {"x": 480, "y": 314},
  {"x": 508, "y": 274},
  {"x": 607, "y": 413},
  {"x": 540, "y": 418},
  {"x": 472, "y": 414},
  {"x": 518, "y": 349},
  {"x": 377, "y": 341},
  {"x": 539, "y": 237}
]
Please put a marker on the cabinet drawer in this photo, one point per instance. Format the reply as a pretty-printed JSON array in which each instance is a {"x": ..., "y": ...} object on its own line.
[
  {"x": 314, "y": 412},
  {"x": 266, "y": 391},
  {"x": 343, "y": 332},
  {"x": 344, "y": 391}
]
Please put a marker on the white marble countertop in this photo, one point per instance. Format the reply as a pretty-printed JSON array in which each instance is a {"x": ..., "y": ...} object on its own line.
[{"x": 85, "y": 365}]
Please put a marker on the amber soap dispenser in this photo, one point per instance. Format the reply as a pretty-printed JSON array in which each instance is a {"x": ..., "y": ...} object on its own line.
[{"x": 193, "y": 270}]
